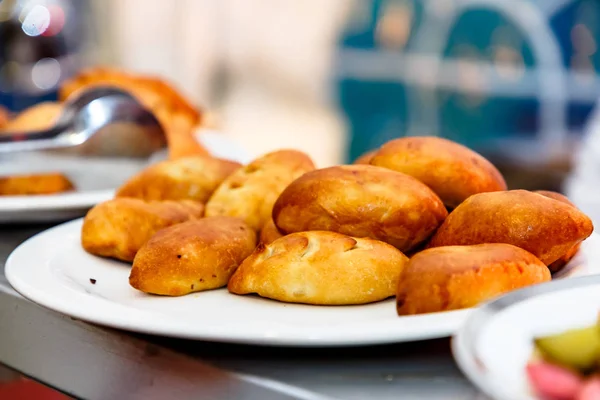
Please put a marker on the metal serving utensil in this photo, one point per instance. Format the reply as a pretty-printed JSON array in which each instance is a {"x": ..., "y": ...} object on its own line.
[{"x": 104, "y": 114}]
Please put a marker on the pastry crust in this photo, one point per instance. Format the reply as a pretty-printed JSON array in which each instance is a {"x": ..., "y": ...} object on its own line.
[
  {"x": 35, "y": 184},
  {"x": 249, "y": 193},
  {"x": 192, "y": 256},
  {"x": 568, "y": 256},
  {"x": 545, "y": 227},
  {"x": 452, "y": 171},
  {"x": 5, "y": 117},
  {"x": 456, "y": 277},
  {"x": 361, "y": 201},
  {"x": 365, "y": 158},
  {"x": 192, "y": 178},
  {"x": 325, "y": 268},
  {"x": 555, "y": 196},
  {"x": 38, "y": 117},
  {"x": 118, "y": 228},
  {"x": 269, "y": 233}
]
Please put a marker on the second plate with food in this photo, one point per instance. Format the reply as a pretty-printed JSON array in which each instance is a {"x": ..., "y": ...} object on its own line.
[
  {"x": 53, "y": 270},
  {"x": 496, "y": 344},
  {"x": 95, "y": 180}
]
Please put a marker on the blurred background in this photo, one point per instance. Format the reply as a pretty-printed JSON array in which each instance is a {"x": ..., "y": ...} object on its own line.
[{"x": 514, "y": 79}]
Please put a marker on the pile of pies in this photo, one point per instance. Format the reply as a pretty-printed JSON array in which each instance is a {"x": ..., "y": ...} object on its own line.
[
  {"x": 421, "y": 219},
  {"x": 177, "y": 116}
]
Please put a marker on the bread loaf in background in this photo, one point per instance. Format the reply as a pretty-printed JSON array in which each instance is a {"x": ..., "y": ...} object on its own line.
[{"x": 35, "y": 184}]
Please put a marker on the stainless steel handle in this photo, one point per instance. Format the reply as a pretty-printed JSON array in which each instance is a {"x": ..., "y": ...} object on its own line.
[{"x": 55, "y": 137}]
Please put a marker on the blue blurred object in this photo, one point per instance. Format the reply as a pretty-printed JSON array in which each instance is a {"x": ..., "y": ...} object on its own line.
[{"x": 507, "y": 77}]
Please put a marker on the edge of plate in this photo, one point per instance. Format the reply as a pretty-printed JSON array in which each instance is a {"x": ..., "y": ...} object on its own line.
[
  {"x": 464, "y": 340},
  {"x": 451, "y": 322},
  {"x": 54, "y": 202}
]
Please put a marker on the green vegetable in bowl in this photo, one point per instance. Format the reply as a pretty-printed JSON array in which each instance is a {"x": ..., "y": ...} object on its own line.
[{"x": 577, "y": 349}]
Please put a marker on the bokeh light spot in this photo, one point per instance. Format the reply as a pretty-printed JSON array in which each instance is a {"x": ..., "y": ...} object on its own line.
[
  {"x": 45, "y": 74},
  {"x": 36, "y": 21}
]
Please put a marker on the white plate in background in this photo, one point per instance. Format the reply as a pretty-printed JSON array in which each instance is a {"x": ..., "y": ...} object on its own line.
[
  {"x": 53, "y": 270},
  {"x": 95, "y": 179},
  {"x": 495, "y": 344}
]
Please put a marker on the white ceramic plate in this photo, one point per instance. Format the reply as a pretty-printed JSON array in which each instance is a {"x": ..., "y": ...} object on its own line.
[
  {"x": 53, "y": 270},
  {"x": 95, "y": 178},
  {"x": 494, "y": 345},
  {"x": 41, "y": 209}
]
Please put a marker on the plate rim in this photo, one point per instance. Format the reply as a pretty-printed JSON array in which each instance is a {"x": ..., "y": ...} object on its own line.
[
  {"x": 47, "y": 243},
  {"x": 451, "y": 319},
  {"x": 463, "y": 340},
  {"x": 59, "y": 201}
]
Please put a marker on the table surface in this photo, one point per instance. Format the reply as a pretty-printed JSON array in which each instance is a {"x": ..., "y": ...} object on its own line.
[{"x": 87, "y": 361}]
